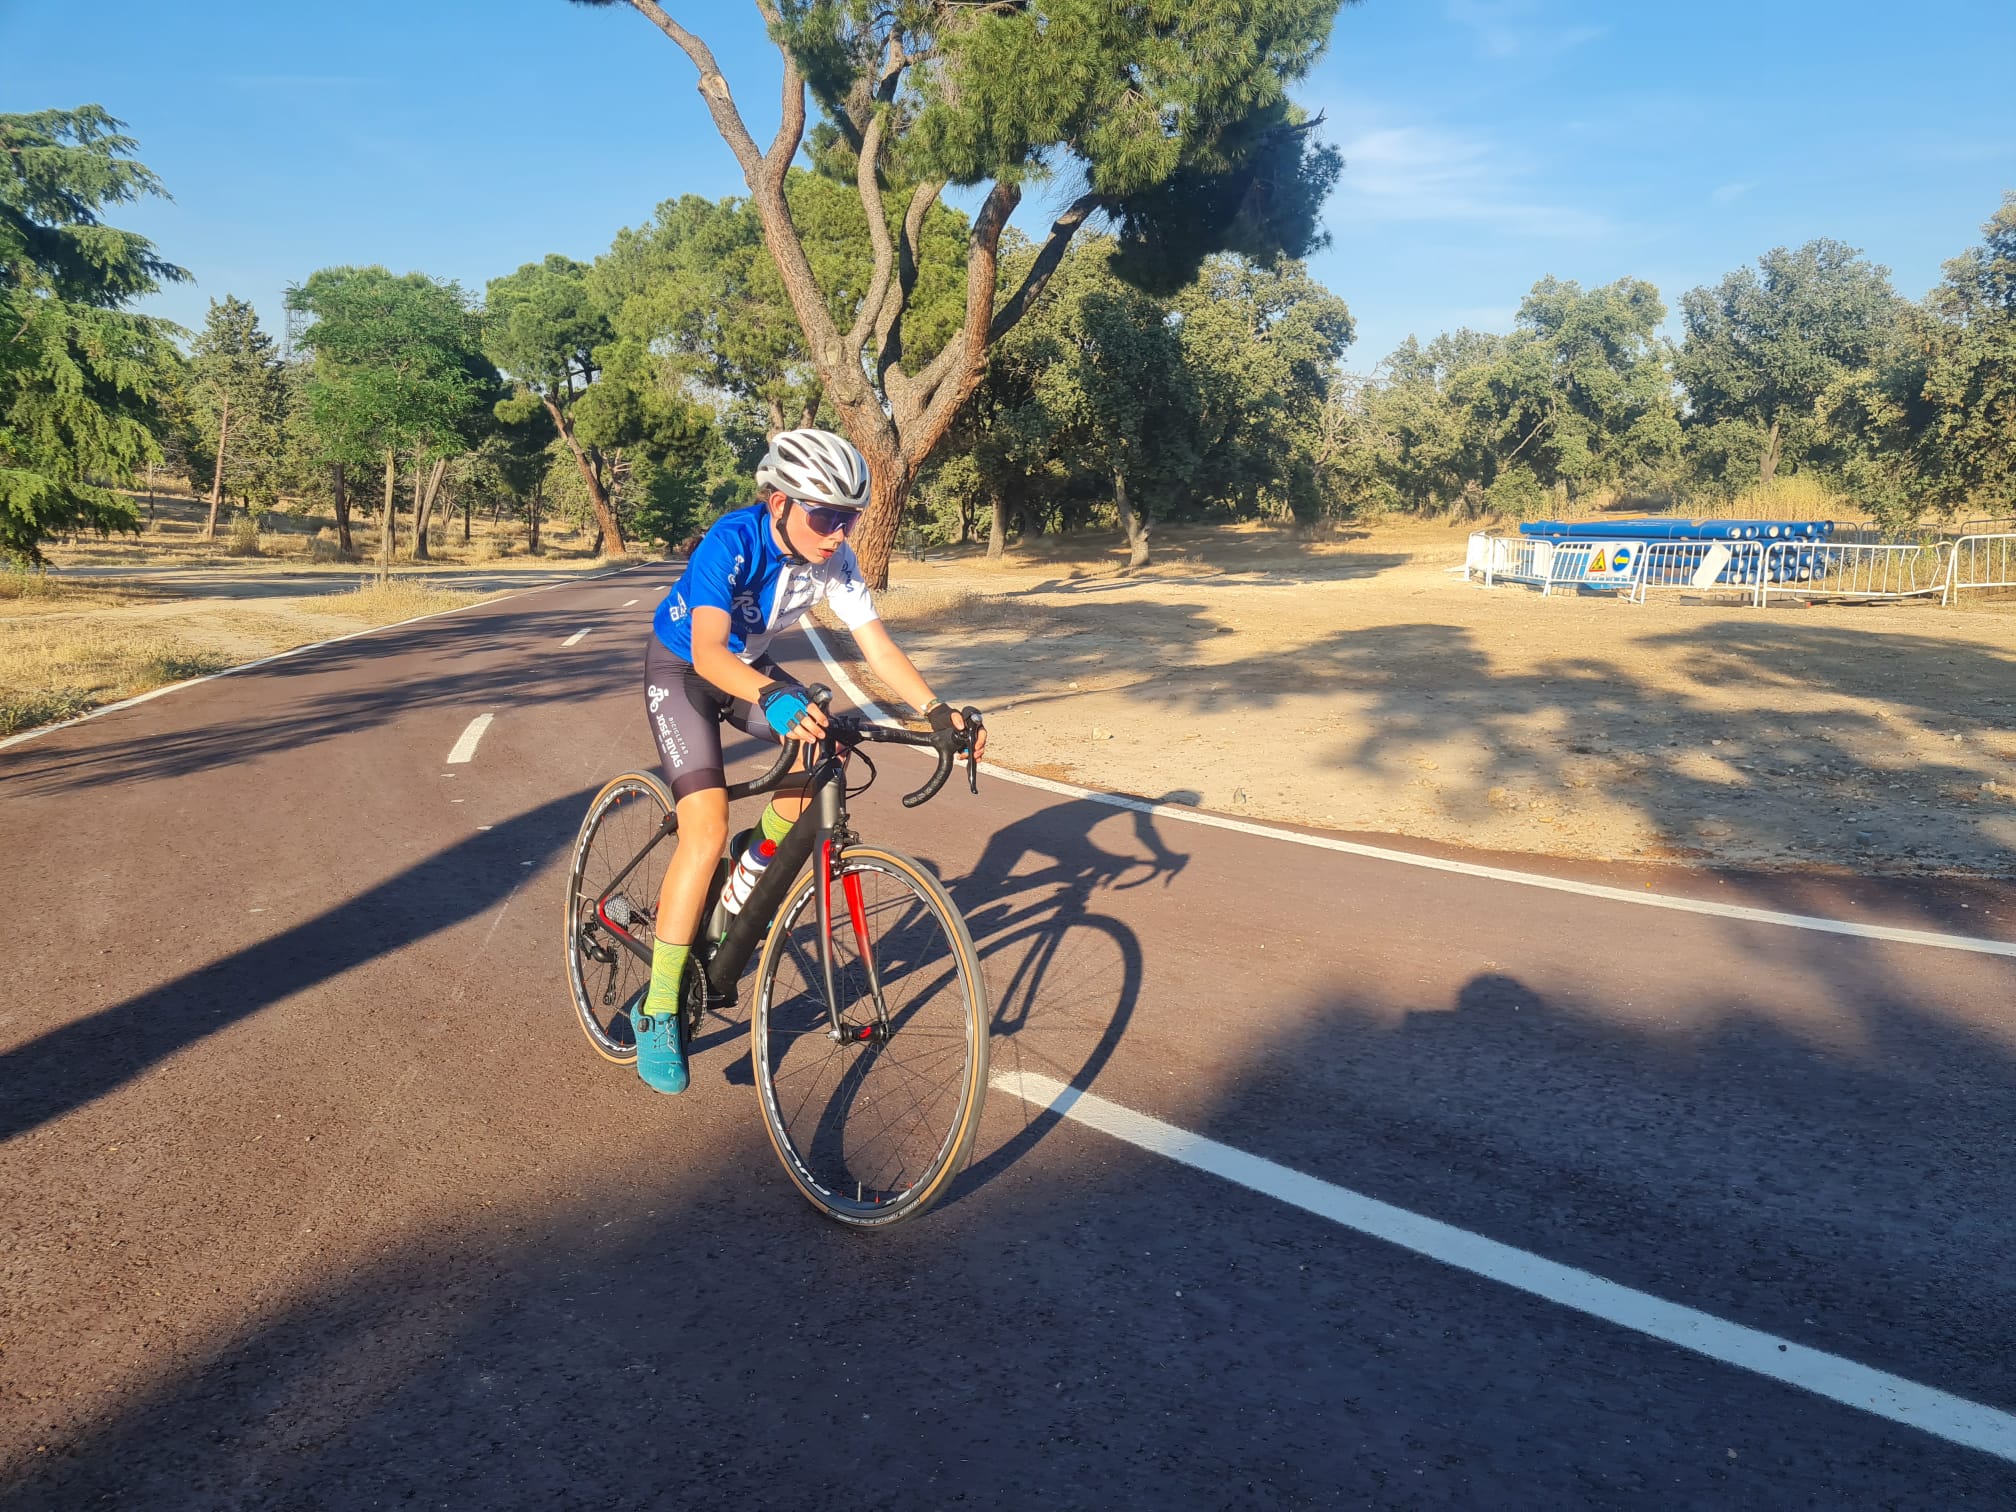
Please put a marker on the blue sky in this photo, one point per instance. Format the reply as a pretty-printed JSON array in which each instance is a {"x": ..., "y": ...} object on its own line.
[{"x": 1488, "y": 142}]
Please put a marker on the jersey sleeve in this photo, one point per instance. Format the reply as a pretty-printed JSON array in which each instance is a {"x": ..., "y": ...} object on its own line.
[{"x": 847, "y": 590}]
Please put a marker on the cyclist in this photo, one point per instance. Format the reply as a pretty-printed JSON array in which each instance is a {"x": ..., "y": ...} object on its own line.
[{"x": 753, "y": 575}]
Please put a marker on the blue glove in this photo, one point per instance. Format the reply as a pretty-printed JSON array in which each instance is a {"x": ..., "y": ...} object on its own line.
[{"x": 782, "y": 705}]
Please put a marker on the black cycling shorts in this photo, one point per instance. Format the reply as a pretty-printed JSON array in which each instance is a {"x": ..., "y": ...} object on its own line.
[{"x": 686, "y": 713}]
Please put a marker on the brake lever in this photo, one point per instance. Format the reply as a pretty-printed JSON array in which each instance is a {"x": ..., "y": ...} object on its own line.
[{"x": 974, "y": 725}]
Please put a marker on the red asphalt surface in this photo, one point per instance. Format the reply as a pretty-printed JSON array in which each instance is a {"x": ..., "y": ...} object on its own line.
[{"x": 315, "y": 1196}]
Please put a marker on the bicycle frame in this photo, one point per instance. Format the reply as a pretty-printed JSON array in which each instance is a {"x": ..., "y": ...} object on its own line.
[{"x": 822, "y": 827}]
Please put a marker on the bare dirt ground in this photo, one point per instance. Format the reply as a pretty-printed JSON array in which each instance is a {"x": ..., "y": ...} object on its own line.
[{"x": 1358, "y": 684}]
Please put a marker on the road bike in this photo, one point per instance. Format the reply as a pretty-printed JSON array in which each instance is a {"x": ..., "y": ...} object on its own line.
[{"x": 869, "y": 1022}]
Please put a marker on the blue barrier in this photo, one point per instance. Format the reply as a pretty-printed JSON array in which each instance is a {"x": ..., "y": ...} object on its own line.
[{"x": 1680, "y": 530}]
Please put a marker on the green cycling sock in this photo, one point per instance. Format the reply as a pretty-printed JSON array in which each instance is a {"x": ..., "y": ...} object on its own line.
[
  {"x": 774, "y": 825},
  {"x": 668, "y": 966}
]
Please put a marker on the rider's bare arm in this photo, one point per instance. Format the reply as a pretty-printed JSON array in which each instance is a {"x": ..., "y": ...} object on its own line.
[{"x": 886, "y": 660}]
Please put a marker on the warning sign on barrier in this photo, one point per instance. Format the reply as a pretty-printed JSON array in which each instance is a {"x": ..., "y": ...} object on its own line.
[{"x": 1612, "y": 560}]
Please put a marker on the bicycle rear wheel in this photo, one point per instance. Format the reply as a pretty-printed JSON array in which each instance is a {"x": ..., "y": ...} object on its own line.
[
  {"x": 620, "y": 858},
  {"x": 872, "y": 1126}
]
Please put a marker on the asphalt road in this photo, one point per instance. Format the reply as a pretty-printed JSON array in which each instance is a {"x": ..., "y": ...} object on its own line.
[{"x": 316, "y": 1198}]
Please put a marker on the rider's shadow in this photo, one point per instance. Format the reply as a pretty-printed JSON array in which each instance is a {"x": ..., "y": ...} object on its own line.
[{"x": 1063, "y": 976}]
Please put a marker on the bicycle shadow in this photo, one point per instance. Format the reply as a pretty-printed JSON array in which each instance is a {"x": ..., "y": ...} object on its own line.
[{"x": 1064, "y": 977}]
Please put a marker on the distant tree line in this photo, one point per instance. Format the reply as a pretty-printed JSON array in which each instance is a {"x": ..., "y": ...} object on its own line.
[{"x": 1126, "y": 379}]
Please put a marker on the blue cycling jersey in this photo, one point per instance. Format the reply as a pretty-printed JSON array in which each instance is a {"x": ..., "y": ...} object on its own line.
[{"x": 739, "y": 569}]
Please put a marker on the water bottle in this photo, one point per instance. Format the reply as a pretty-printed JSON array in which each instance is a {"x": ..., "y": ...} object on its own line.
[{"x": 747, "y": 870}]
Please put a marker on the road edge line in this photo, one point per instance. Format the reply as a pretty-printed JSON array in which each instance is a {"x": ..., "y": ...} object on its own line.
[
  {"x": 267, "y": 661},
  {"x": 1673, "y": 902},
  {"x": 1835, "y": 1378}
]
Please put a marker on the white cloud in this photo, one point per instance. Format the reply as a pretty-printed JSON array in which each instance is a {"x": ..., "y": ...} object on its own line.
[
  {"x": 1418, "y": 174},
  {"x": 1728, "y": 194},
  {"x": 1508, "y": 29}
]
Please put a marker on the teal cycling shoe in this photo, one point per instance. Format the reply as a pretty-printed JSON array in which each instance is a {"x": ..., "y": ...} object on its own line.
[{"x": 661, "y": 1060}]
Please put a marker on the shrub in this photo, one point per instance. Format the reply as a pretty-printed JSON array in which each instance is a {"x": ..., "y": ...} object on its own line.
[{"x": 243, "y": 540}]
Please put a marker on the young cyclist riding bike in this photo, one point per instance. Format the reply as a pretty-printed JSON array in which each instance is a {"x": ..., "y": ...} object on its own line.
[{"x": 753, "y": 575}]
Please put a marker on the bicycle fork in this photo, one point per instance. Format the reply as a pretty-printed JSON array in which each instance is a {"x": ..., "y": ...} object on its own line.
[{"x": 832, "y": 824}]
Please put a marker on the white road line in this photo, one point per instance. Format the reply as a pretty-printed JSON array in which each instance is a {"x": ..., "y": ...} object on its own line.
[
  {"x": 628, "y": 602},
  {"x": 1926, "y": 1408},
  {"x": 1933, "y": 939},
  {"x": 465, "y": 748},
  {"x": 575, "y": 639}
]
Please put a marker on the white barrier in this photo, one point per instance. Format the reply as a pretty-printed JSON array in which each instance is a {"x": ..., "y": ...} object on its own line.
[
  {"x": 1979, "y": 561},
  {"x": 1800, "y": 569},
  {"x": 1704, "y": 566}
]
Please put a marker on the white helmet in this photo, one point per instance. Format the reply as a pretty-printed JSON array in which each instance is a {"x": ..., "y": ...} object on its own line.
[{"x": 816, "y": 466}]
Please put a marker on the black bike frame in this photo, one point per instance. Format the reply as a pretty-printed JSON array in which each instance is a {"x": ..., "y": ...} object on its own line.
[{"x": 825, "y": 817}]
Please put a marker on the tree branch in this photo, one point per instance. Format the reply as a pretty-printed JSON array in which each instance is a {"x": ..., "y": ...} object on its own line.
[
  {"x": 868, "y": 183},
  {"x": 713, "y": 89},
  {"x": 889, "y": 319},
  {"x": 1052, "y": 253},
  {"x": 966, "y": 352}
]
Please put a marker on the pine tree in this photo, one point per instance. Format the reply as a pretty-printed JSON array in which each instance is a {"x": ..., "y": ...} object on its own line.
[{"x": 79, "y": 373}]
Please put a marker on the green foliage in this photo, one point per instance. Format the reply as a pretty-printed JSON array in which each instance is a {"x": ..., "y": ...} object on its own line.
[
  {"x": 1576, "y": 397},
  {"x": 396, "y": 364},
  {"x": 698, "y": 286},
  {"x": 1766, "y": 344},
  {"x": 235, "y": 388},
  {"x": 1204, "y": 404},
  {"x": 80, "y": 376},
  {"x": 1970, "y": 378}
]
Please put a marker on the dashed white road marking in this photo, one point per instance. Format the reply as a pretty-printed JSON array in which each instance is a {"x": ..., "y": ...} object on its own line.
[
  {"x": 1935, "y": 939},
  {"x": 628, "y": 602},
  {"x": 575, "y": 639},
  {"x": 464, "y": 749},
  {"x": 1925, "y": 1408}
]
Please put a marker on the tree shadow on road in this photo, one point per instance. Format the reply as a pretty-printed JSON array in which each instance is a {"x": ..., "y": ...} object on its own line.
[
  {"x": 1165, "y": 1338},
  {"x": 88, "y": 1057},
  {"x": 307, "y": 699}
]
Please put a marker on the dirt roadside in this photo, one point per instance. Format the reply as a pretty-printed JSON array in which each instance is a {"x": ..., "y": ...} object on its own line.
[{"x": 1360, "y": 684}]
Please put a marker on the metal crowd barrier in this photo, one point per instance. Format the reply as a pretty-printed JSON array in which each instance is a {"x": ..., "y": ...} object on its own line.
[
  {"x": 1704, "y": 566},
  {"x": 1797, "y": 570},
  {"x": 1979, "y": 561},
  {"x": 1860, "y": 570}
]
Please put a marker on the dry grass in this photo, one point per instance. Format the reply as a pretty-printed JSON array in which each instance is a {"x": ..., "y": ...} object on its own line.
[
  {"x": 26, "y": 594},
  {"x": 52, "y": 670},
  {"x": 388, "y": 603}
]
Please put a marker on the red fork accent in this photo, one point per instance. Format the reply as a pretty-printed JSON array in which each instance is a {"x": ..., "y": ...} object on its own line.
[{"x": 858, "y": 912}]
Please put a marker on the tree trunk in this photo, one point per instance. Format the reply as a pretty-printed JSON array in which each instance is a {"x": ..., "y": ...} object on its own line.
[
  {"x": 217, "y": 474},
  {"x": 605, "y": 517},
  {"x": 1134, "y": 524},
  {"x": 342, "y": 496},
  {"x": 423, "y": 508},
  {"x": 419, "y": 519},
  {"x": 468, "y": 516},
  {"x": 889, "y": 483},
  {"x": 965, "y": 520},
  {"x": 150, "y": 493},
  {"x": 997, "y": 527},
  {"x": 532, "y": 515},
  {"x": 389, "y": 524},
  {"x": 1773, "y": 445}
]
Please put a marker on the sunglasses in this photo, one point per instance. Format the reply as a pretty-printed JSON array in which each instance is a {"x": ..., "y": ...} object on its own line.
[{"x": 825, "y": 519}]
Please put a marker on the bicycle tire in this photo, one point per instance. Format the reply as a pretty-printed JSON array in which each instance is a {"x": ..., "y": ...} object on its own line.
[
  {"x": 605, "y": 980},
  {"x": 929, "y": 1074}
]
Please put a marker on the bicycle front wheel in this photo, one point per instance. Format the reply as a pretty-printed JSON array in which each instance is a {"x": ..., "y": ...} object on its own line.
[
  {"x": 871, "y": 1121},
  {"x": 620, "y": 858}
]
